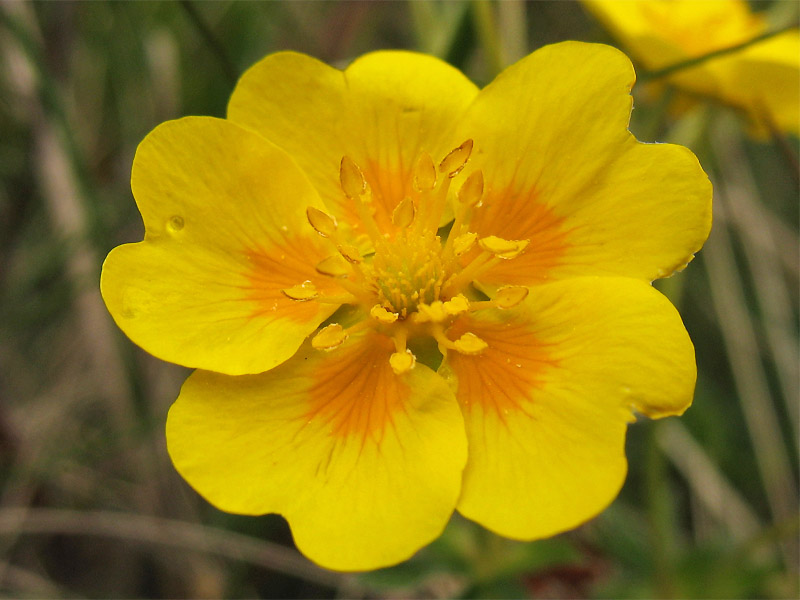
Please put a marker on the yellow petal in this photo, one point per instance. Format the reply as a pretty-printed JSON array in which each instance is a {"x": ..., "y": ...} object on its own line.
[
  {"x": 564, "y": 172},
  {"x": 765, "y": 80},
  {"x": 383, "y": 111},
  {"x": 364, "y": 464},
  {"x": 225, "y": 232},
  {"x": 546, "y": 404}
]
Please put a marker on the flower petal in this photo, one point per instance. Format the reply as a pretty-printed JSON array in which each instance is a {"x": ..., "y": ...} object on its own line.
[
  {"x": 766, "y": 79},
  {"x": 563, "y": 171},
  {"x": 225, "y": 231},
  {"x": 382, "y": 111},
  {"x": 364, "y": 464},
  {"x": 547, "y": 403}
]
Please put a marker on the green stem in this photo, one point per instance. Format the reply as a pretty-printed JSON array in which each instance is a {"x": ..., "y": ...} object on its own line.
[
  {"x": 659, "y": 504},
  {"x": 692, "y": 62}
]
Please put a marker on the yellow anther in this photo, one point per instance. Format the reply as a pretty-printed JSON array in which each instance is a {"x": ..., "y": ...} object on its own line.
[
  {"x": 425, "y": 173},
  {"x": 456, "y": 305},
  {"x": 382, "y": 314},
  {"x": 503, "y": 248},
  {"x": 464, "y": 243},
  {"x": 329, "y": 337},
  {"x": 302, "y": 292},
  {"x": 472, "y": 190},
  {"x": 454, "y": 162},
  {"x": 430, "y": 313},
  {"x": 510, "y": 296},
  {"x": 333, "y": 266},
  {"x": 323, "y": 223},
  {"x": 350, "y": 253},
  {"x": 402, "y": 362},
  {"x": 351, "y": 179},
  {"x": 403, "y": 213},
  {"x": 469, "y": 343}
]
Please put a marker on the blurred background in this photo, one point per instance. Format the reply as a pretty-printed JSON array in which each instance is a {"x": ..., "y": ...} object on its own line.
[{"x": 89, "y": 503}]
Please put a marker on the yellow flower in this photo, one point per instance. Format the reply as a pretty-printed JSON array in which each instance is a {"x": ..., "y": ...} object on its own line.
[
  {"x": 763, "y": 79},
  {"x": 294, "y": 255}
]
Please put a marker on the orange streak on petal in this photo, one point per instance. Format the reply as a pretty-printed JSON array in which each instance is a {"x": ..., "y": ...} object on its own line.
[
  {"x": 282, "y": 266},
  {"x": 354, "y": 390},
  {"x": 505, "y": 375},
  {"x": 514, "y": 215},
  {"x": 389, "y": 185}
]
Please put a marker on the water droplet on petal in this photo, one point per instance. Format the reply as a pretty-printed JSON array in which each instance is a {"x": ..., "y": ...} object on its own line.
[{"x": 175, "y": 224}]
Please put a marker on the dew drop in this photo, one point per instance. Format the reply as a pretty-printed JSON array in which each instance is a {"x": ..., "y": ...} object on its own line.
[{"x": 175, "y": 224}]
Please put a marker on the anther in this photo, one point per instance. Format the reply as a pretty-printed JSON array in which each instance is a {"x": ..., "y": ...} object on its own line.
[
  {"x": 333, "y": 266},
  {"x": 350, "y": 254},
  {"x": 403, "y": 213},
  {"x": 510, "y": 296},
  {"x": 351, "y": 179},
  {"x": 329, "y": 337},
  {"x": 501, "y": 248},
  {"x": 302, "y": 292},
  {"x": 454, "y": 162},
  {"x": 323, "y": 223},
  {"x": 402, "y": 362},
  {"x": 425, "y": 173},
  {"x": 382, "y": 314},
  {"x": 469, "y": 343},
  {"x": 470, "y": 193},
  {"x": 456, "y": 305},
  {"x": 430, "y": 313},
  {"x": 464, "y": 242}
]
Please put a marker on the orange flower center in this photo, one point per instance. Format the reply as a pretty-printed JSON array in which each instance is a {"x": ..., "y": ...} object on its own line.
[{"x": 415, "y": 283}]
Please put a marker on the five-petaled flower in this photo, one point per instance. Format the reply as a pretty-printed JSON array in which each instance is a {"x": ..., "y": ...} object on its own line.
[
  {"x": 762, "y": 80},
  {"x": 404, "y": 295}
]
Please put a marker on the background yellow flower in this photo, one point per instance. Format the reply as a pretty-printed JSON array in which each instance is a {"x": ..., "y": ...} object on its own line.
[
  {"x": 761, "y": 79},
  {"x": 91, "y": 505}
]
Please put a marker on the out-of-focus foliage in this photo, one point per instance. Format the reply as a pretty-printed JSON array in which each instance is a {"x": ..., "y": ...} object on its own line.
[{"x": 89, "y": 504}]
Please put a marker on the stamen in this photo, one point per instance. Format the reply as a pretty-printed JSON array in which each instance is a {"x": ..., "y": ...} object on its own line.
[
  {"x": 402, "y": 362},
  {"x": 425, "y": 173},
  {"x": 456, "y": 160},
  {"x": 430, "y": 313},
  {"x": 469, "y": 343},
  {"x": 382, "y": 314},
  {"x": 323, "y": 223},
  {"x": 463, "y": 243},
  {"x": 403, "y": 213},
  {"x": 354, "y": 187},
  {"x": 510, "y": 296},
  {"x": 469, "y": 196},
  {"x": 302, "y": 292},
  {"x": 329, "y": 337},
  {"x": 350, "y": 253},
  {"x": 471, "y": 192},
  {"x": 352, "y": 179},
  {"x": 506, "y": 249},
  {"x": 334, "y": 266},
  {"x": 456, "y": 305}
]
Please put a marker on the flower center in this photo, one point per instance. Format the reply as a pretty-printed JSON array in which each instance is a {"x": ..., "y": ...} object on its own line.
[
  {"x": 414, "y": 284},
  {"x": 407, "y": 273}
]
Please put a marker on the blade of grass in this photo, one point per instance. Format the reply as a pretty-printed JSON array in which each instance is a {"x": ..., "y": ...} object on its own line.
[
  {"x": 771, "y": 290},
  {"x": 706, "y": 481},
  {"x": 169, "y": 533},
  {"x": 741, "y": 345}
]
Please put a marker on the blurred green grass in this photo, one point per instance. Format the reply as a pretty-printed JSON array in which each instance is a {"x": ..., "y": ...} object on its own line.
[{"x": 89, "y": 504}]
